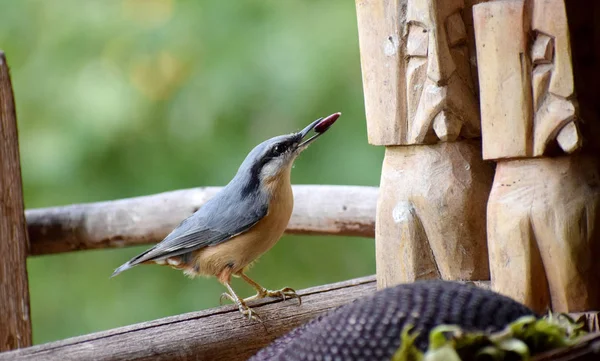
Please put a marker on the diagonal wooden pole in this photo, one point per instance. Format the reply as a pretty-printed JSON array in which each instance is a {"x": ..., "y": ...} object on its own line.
[{"x": 15, "y": 324}]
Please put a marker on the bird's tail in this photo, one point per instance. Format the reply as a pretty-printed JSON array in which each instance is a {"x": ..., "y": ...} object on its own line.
[
  {"x": 140, "y": 258},
  {"x": 124, "y": 267}
]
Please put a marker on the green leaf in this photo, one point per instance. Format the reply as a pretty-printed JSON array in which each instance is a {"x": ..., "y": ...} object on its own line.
[
  {"x": 444, "y": 353},
  {"x": 437, "y": 336},
  {"x": 492, "y": 352},
  {"x": 515, "y": 345},
  {"x": 408, "y": 351},
  {"x": 524, "y": 337}
]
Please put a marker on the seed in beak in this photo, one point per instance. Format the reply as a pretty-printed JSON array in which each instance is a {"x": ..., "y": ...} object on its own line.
[{"x": 324, "y": 124}]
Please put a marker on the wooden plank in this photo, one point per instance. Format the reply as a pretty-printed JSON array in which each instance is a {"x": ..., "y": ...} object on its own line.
[
  {"x": 15, "y": 325},
  {"x": 588, "y": 349},
  {"x": 333, "y": 210},
  {"x": 215, "y": 334}
]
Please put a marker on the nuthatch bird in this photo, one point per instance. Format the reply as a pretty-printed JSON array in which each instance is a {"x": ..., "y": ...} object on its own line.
[{"x": 241, "y": 222}]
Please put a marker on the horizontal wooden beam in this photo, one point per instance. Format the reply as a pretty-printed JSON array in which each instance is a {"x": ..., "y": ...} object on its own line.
[
  {"x": 215, "y": 334},
  {"x": 318, "y": 209}
]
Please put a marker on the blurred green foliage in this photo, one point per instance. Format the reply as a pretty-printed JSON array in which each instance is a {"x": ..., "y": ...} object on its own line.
[{"x": 122, "y": 98}]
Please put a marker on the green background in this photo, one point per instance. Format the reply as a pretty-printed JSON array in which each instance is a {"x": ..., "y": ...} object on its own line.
[{"x": 125, "y": 98}]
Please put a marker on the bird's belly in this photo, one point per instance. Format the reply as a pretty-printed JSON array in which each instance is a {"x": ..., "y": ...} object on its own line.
[{"x": 240, "y": 251}]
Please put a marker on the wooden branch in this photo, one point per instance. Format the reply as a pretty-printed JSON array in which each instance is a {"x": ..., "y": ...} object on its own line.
[
  {"x": 335, "y": 210},
  {"x": 15, "y": 325},
  {"x": 215, "y": 334}
]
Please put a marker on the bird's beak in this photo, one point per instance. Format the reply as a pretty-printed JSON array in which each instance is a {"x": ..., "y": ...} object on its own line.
[{"x": 320, "y": 126}]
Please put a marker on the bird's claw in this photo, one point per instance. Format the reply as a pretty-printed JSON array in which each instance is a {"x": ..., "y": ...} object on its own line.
[
  {"x": 250, "y": 313},
  {"x": 244, "y": 309},
  {"x": 226, "y": 295},
  {"x": 284, "y": 294}
]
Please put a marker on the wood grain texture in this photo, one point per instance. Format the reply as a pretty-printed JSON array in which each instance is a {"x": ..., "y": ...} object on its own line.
[
  {"x": 215, "y": 334},
  {"x": 544, "y": 232},
  {"x": 504, "y": 79},
  {"x": 528, "y": 104},
  {"x": 380, "y": 35},
  {"x": 15, "y": 324},
  {"x": 430, "y": 215},
  {"x": 334, "y": 210},
  {"x": 555, "y": 120},
  {"x": 417, "y": 74}
]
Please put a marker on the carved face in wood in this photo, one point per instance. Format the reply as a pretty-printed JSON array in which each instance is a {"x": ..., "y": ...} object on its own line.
[
  {"x": 527, "y": 89},
  {"x": 441, "y": 100},
  {"x": 552, "y": 78}
]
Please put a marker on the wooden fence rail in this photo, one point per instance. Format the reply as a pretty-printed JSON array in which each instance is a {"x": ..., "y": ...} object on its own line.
[
  {"x": 333, "y": 210},
  {"x": 215, "y": 334},
  {"x": 15, "y": 324}
]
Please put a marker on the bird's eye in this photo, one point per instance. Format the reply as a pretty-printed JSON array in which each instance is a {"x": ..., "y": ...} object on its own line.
[{"x": 277, "y": 150}]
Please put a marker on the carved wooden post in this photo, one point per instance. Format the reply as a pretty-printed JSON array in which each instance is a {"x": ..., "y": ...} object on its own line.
[
  {"x": 15, "y": 325},
  {"x": 543, "y": 213},
  {"x": 421, "y": 103}
]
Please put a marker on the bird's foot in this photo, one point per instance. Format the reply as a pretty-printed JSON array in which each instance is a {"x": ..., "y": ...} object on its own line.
[
  {"x": 244, "y": 309},
  {"x": 226, "y": 295},
  {"x": 250, "y": 313},
  {"x": 284, "y": 294}
]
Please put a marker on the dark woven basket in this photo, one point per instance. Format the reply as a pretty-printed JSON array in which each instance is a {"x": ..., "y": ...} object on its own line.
[{"x": 370, "y": 328}]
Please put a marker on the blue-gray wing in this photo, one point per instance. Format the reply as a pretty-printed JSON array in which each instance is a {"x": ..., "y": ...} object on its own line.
[{"x": 217, "y": 221}]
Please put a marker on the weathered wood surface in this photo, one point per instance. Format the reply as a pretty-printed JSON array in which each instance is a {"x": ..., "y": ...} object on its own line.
[
  {"x": 543, "y": 218},
  {"x": 587, "y": 349},
  {"x": 333, "y": 210},
  {"x": 528, "y": 106},
  {"x": 417, "y": 74},
  {"x": 15, "y": 325},
  {"x": 383, "y": 75},
  {"x": 503, "y": 79},
  {"x": 544, "y": 232},
  {"x": 431, "y": 215},
  {"x": 420, "y": 88},
  {"x": 215, "y": 334}
]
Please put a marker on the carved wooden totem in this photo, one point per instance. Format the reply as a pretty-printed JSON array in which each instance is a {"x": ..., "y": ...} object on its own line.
[
  {"x": 543, "y": 213},
  {"x": 421, "y": 103}
]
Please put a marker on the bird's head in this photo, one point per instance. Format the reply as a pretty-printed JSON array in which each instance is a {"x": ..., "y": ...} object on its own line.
[{"x": 272, "y": 159}]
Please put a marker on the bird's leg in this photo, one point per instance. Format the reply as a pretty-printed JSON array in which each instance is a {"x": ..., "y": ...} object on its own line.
[
  {"x": 225, "y": 279},
  {"x": 262, "y": 292},
  {"x": 244, "y": 309}
]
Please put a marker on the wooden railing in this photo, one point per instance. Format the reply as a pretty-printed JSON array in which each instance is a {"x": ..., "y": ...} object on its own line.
[
  {"x": 15, "y": 324},
  {"x": 324, "y": 210}
]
